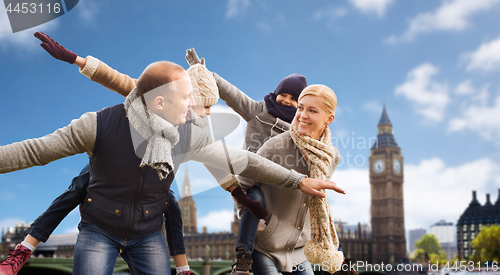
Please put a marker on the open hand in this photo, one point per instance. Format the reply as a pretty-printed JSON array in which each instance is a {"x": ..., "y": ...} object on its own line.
[
  {"x": 55, "y": 49},
  {"x": 192, "y": 58}
]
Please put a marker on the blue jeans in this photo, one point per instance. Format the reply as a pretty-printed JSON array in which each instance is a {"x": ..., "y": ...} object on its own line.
[
  {"x": 249, "y": 223},
  {"x": 96, "y": 252},
  {"x": 263, "y": 265},
  {"x": 46, "y": 223}
]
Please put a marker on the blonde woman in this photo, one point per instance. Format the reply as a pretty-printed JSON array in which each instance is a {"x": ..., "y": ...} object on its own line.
[{"x": 306, "y": 148}]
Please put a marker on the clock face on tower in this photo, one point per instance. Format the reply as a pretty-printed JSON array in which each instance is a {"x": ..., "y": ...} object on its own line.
[
  {"x": 378, "y": 166},
  {"x": 396, "y": 165}
]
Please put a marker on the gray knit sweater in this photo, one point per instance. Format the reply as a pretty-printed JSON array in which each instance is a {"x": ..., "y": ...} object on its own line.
[
  {"x": 260, "y": 124},
  {"x": 80, "y": 135},
  {"x": 288, "y": 225}
]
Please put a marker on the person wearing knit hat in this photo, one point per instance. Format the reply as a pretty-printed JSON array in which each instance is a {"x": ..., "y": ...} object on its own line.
[
  {"x": 282, "y": 103},
  {"x": 265, "y": 119}
]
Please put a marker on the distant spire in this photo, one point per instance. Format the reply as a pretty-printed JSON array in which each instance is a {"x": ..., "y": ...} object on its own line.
[
  {"x": 385, "y": 136},
  {"x": 186, "y": 184},
  {"x": 384, "y": 119},
  {"x": 488, "y": 202},
  {"x": 474, "y": 199}
]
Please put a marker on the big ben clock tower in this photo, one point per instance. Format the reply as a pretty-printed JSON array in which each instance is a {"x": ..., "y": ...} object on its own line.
[{"x": 387, "y": 207}]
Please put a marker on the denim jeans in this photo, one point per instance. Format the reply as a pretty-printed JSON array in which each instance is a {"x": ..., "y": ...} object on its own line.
[
  {"x": 263, "y": 265},
  {"x": 96, "y": 252},
  {"x": 249, "y": 223},
  {"x": 46, "y": 223}
]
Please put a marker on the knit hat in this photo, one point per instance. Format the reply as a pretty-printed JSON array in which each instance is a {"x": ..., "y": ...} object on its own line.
[
  {"x": 205, "y": 91},
  {"x": 292, "y": 85}
]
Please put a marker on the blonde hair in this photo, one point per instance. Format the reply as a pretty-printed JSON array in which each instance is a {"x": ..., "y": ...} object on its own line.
[{"x": 326, "y": 95}]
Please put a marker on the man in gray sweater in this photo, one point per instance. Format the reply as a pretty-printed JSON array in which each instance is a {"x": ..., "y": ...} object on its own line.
[{"x": 130, "y": 181}]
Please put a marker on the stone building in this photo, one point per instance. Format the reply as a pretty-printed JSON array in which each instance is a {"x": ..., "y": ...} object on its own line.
[
  {"x": 472, "y": 220},
  {"x": 12, "y": 236}
]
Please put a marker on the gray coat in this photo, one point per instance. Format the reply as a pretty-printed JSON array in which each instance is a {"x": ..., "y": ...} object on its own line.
[
  {"x": 288, "y": 225},
  {"x": 260, "y": 124}
]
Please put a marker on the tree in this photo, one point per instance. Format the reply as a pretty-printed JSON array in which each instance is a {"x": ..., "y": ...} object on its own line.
[
  {"x": 429, "y": 249},
  {"x": 487, "y": 244},
  {"x": 429, "y": 243}
]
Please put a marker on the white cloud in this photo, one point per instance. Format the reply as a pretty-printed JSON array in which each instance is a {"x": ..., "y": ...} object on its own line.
[
  {"x": 23, "y": 40},
  {"x": 465, "y": 88},
  {"x": 372, "y": 6},
  {"x": 217, "y": 221},
  {"x": 448, "y": 188},
  {"x": 87, "y": 10},
  {"x": 201, "y": 184},
  {"x": 330, "y": 14},
  {"x": 236, "y": 7},
  {"x": 354, "y": 206},
  {"x": 452, "y": 15},
  {"x": 429, "y": 97},
  {"x": 485, "y": 58},
  {"x": 373, "y": 106},
  {"x": 263, "y": 26},
  {"x": 480, "y": 118}
]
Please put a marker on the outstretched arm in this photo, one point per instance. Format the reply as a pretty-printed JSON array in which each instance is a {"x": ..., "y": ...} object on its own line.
[
  {"x": 234, "y": 98},
  {"x": 78, "y": 137},
  {"x": 91, "y": 67},
  {"x": 252, "y": 166}
]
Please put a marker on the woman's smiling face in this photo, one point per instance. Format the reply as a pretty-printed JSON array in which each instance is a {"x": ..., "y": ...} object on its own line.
[{"x": 312, "y": 117}]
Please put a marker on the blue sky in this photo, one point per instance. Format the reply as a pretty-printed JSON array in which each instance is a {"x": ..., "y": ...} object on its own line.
[{"x": 435, "y": 64}]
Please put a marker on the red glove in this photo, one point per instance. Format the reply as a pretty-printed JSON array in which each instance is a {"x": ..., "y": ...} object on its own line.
[
  {"x": 54, "y": 49},
  {"x": 253, "y": 206}
]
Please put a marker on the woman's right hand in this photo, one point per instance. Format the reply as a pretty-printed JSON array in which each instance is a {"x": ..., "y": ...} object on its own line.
[
  {"x": 55, "y": 49},
  {"x": 313, "y": 187}
]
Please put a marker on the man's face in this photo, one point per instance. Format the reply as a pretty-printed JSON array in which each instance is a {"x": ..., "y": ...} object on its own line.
[{"x": 179, "y": 101}]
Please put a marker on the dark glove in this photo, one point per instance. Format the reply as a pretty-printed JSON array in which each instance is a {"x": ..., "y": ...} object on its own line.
[
  {"x": 55, "y": 49},
  {"x": 192, "y": 58},
  {"x": 253, "y": 206}
]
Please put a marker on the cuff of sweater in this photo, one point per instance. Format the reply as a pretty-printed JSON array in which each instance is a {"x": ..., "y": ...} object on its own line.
[
  {"x": 294, "y": 180},
  {"x": 227, "y": 181},
  {"x": 90, "y": 67}
]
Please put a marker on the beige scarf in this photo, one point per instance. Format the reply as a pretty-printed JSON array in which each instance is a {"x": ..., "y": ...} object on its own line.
[{"x": 324, "y": 243}]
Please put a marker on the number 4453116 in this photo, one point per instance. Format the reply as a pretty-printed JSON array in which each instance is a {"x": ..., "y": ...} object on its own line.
[
  {"x": 471, "y": 266},
  {"x": 34, "y": 8}
]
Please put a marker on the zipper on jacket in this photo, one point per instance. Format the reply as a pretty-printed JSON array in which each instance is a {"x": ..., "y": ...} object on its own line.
[{"x": 132, "y": 205}]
